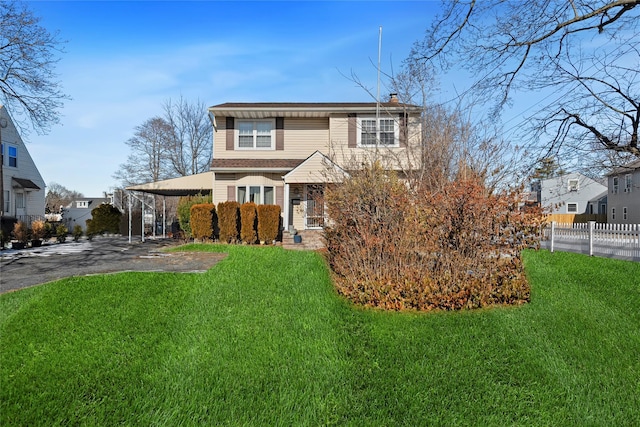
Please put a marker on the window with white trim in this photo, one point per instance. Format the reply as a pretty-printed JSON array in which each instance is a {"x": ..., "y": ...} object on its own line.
[
  {"x": 11, "y": 155},
  {"x": 7, "y": 200},
  {"x": 82, "y": 204},
  {"x": 628, "y": 183},
  {"x": 258, "y": 194},
  {"x": 615, "y": 185},
  {"x": 572, "y": 208},
  {"x": 255, "y": 135},
  {"x": 386, "y": 134},
  {"x": 573, "y": 185}
]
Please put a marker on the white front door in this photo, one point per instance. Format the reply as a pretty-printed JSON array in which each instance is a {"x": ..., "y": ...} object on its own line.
[{"x": 21, "y": 203}]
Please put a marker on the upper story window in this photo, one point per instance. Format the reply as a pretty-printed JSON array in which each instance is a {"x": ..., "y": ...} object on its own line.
[
  {"x": 615, "y": 185},
  {"x": 82, "y": 204},
  {"x": 628, "y": 183},
  {"x": 573, "y": 185},
  {"x": 255, "y": 135},
  {"x": 11, "y": 155},
  {"x": 386, "y": 134}
]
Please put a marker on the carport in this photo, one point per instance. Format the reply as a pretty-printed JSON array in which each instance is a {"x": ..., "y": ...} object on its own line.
[{"x": 190, "y": 185}]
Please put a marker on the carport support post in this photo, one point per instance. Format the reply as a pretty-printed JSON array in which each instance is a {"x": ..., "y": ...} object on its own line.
[
  {"x": 129, "y": 194},
  {"x": 164, "y": 217},
  {"x": 142, "y": 218}
]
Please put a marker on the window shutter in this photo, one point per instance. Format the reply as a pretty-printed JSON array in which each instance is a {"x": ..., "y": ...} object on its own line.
[
  {"x": 230, "y": 135},
  {"x": 279, "y": 133},
  {"x": 352, "y": 131},
  {"x": 402, "y": 122},
  {"x": 231, "y": 193},
  {"x": 280, "y": 197}
]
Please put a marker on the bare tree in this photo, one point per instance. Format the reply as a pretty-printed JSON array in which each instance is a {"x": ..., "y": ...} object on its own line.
[
  {"x": 58, "y": 195},
  {"x": 28, "y": 82},
  {"x": 585, "y": 51},
  {"x": 191, "y": 144},
  {"x": 150, "y": 151}
]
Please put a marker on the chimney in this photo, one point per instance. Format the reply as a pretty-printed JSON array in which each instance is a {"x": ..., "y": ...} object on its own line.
[{"x": 393, "y": 98}]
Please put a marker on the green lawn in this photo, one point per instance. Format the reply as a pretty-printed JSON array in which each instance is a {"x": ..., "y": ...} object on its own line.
[{"x": 262, "y": 339}]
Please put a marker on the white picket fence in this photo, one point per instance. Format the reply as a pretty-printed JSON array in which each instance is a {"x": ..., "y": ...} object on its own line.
[{"x": 620, "y": 241}]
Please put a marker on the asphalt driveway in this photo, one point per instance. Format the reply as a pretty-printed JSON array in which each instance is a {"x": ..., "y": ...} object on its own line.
[{"x": 53, "y": 261}]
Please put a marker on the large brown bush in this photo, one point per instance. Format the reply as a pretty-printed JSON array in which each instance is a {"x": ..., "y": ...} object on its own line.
[
  {"x": 229, "y": 221},
  {"x": 249, "y": 223},
  {"x": 203, "y": 221},
  {"x": 268, "y": 222},
  {"x": 456, "y": 248}
]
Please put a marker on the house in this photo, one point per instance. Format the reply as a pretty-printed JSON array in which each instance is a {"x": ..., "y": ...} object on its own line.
[
  {"x": 572, "y": 193},
  {"x": 624, "y": 194},
  {"x": 23, "y": 189},
  {"x": 286, "y": 153},
  {"x": 79, "y": 211}
]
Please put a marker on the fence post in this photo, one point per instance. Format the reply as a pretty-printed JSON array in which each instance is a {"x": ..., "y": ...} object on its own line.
[
  {"x": 553, "y": 232},
  {"x": 592, "y": 225}
]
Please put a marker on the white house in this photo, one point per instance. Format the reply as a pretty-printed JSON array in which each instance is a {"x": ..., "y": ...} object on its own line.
[{"x": 23, "y": 189}]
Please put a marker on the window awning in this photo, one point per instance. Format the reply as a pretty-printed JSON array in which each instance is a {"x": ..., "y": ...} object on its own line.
[{"x": 25, "y": 184}]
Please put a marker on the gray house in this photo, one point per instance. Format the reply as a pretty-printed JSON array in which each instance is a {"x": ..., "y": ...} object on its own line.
[
  {"x": 79, "y": 211},
  {"x": 624, "y": 194},
  {"x": 572, "y": 193}
]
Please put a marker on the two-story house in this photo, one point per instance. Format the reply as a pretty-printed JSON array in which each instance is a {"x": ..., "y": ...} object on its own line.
[
  {"x": 23, "y": 189},
  {"x": 624, "y": 194},
  {"x": 572, "y": 193},
  {"x": 285, "y": 153}
]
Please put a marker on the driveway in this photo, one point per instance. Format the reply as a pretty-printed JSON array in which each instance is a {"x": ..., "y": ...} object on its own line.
[{"x": 53, "y": 261}]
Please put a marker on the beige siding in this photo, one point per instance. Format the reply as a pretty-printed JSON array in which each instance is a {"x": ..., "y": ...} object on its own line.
[
  {"x": 302, "y": 137},
  {"x": 223, "y": 181}
]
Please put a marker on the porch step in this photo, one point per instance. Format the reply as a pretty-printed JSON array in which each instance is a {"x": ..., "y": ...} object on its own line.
[{"x": 311, "y": 240}]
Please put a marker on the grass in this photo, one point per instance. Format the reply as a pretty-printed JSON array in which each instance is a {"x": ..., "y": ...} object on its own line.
[{"x": 262, "y": 339}]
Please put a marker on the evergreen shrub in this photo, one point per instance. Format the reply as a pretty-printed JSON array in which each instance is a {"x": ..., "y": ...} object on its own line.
[
  {"x": 268, "y": 222},
  {"x": 229, "y": 221},
  {"x": 203, "y": 221},
  {"x": 249, "y": 223},
  {"x": 184, "y": 211}
]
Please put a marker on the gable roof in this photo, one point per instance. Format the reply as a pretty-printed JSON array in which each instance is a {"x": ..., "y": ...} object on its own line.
[
  {"x": 317, "y": 168},
  {"x": 629, "y": 167}
]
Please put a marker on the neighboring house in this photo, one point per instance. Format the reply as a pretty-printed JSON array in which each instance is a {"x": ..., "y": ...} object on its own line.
[
  {"x": 23, "y": 189},
  {"x": 624, "y": 194},
  {"x": 572, "y": 193},
  {"x": 285, "y": 153},
  {"x": 79, "y": 211}
]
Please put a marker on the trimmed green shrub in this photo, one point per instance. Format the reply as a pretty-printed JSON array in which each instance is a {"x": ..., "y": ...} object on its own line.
[
  {"x": 61, "y": 233},
  {"x": 105, "y": 219},
  {"x": 203, "y": 221},
  {"x": 184, "y": 211},
  {"x": 268, "y": 222},
  {"x": 229, "y": 221},
  {"x": 249, "y": 223},
  {"x": 77, "y": 232}
]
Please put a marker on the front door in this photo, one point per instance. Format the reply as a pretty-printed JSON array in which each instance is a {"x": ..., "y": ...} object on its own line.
[
  {"x": 314, "y": 206},
  {"x": 21, "y": 204}
]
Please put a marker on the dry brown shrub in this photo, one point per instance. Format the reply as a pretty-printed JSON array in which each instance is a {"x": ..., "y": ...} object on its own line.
[
  {"x": 203, "y": 221},
  {"x": 249, "y": 223},
  {"x": 457, "y": 248}
]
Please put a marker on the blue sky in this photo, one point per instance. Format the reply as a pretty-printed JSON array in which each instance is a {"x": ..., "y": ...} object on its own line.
[{"x": 124, "y": 59}]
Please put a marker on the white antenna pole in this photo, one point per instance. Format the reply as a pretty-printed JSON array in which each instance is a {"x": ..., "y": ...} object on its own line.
[{"x": 378, "y": 94}]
